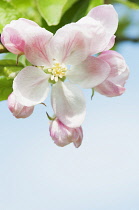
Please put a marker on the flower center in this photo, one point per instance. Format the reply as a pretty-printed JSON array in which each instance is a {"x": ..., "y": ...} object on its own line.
[{"x": 57, "y": 71}]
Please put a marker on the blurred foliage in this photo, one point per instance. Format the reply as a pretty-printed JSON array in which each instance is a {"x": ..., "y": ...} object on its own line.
[
  {"x": 52, "y": 10},
  {"x": 7, "y": 13},
  {"x": 77, "y": 11},
  {"x": 50, "y": 14},
  {"x": 130, "y": 4},
  {"x": 124, "y": 23},
  {"x": 8, "y": 70}
]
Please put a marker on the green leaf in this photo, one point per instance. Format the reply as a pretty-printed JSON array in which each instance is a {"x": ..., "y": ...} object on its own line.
[
  {"x": 94, "y": 3},
  {"x": 7, "y": 13},
  {"x": 22, "y": 59},
  {"x": 129, "y": 4},
  {"x": 124, "y": 22},
  {"x": 8, "y": 70},
  {"x": 8, "y": 67},
  {"x": 73, "y": 14},
  {"x": 28, "y": 9},
  {"x": 5, "y": 87},
  {"x": 53, "y": 10},
  {"x": 21, "y": 3}
]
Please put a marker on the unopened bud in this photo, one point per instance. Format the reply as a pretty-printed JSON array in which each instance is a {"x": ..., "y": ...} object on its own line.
[
  {"x": 63, "y": 135},
  {"x": 17, "y": 109}
]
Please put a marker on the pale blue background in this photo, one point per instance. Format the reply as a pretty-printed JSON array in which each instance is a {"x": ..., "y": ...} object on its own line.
[{"x": 103, "y": 174}]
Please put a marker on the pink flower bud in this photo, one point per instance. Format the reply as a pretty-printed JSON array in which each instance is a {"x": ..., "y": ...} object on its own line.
[
  {"x": 13, "y": 37},
  {"x": 114, "y": 84},
  {"x": 63, "y": 135},
  {"x": 18, "y": 110}
]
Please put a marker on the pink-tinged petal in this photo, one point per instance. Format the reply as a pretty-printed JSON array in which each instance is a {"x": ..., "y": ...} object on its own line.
[
  {"x": 111, "y": 43},
  {"x": 17, "y": 109},
  {"x": 31, "y": 86},
  {"x": 37, "y": 48},
  {"x": 107, "y": 16},
  {"x": 109, "y": 89},
  {"x": 89, "y": 73},
  {"x": 97, "y": 36},
  {"x": 13, "y": 35},
  {"x": 74, "y": 42},
  {"x": 68, "y": 104},
  {"x": 114, "y": 84},
  {"x": 13, "y": 41},
  {"x": 63, "y": 135},
  {"x": 69, "y": 44}
]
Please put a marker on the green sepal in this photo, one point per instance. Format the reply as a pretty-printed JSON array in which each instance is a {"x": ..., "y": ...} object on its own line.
[
  {"x": 51, "y": 81},
  {"x": 50, "y": 118},
  {"x": 92, "y": 93},
  {"x": 62, "y": 79}
]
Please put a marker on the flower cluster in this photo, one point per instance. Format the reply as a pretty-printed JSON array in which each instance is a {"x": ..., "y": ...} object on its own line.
[{"x": 63, "y": 61}]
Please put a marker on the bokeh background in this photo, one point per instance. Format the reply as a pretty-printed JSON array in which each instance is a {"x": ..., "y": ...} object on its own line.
[{"x": 103, "y": 174}]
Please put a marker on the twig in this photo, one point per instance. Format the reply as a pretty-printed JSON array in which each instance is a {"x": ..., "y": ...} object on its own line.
[
  {"x": 3, "y": 49},
  {"x": 123, "y": 39}
]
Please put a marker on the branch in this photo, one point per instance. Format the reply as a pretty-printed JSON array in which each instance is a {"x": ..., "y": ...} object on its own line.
[
  {"x": 124, "y": 39},
  {"x": 3, "y": 49}
]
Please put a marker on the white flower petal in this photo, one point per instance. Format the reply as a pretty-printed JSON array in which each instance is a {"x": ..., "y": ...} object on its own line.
[
  {"x": 37, "y": 46},
  {"x": 68, "y": 104},
  {"x": 107, "y": 16},
  {"x": 89, "y": 73},
  {"x": 69, "y": 44},
  {"x": 31, "y": 86},
  {"x": 95, "y": 33}
]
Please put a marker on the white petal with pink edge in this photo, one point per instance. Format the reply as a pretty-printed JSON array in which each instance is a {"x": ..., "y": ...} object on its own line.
[
  {"x": 89, "y": 73},
  {"x": 37, "y": 47},
  {"x": 107, "y": 16},
  {"x": 109, "y": 89},
  {"x": 68, "y": 104},
  {"x": 31, "y": 86},
  {"x": 70, "y": 44},
  {"x": 95, "y": 33}
]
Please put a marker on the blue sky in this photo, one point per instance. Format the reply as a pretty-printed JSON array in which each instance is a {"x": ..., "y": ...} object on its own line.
[{"x": 103, "y": 174}]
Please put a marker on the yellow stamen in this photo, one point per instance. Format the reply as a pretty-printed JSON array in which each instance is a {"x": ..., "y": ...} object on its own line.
[{"x": 57, "y": 71}]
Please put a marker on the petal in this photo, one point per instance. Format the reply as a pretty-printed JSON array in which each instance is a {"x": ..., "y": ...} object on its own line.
[
  {"x": 114, "y": 84},
  {"x": 69, "y": 44},
  {"x": 109, "y": 89},
  {"x": 116, "y": 62},
  {"x": 97, "y": 36},
  {"x": 111, "y": 43},
  {"x": 17, "y": 109},
  {"x": 107, "y": 16},
  {"x": 13, "y": 37},
  {"x": 13, "y": 40},
  {"x": 68, "y": 104},
  {"x": 37, "y": 47},
  {"x": 63, "y": 135},
  {"x": 31, "y": 86},
  {"x": 89, "y": 73}
]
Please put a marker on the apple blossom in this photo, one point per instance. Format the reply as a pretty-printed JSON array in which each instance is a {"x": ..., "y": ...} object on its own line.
[
  {"x": 63, "y": 135},
  {"x": 18, "y": 110},
  {"x": 114, "y": 84},
  {"x": 64, "y": 60},
  {"x": 66, "y": 55}
]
